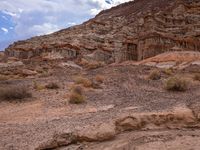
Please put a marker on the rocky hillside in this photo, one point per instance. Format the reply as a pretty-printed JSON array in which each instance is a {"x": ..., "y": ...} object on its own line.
[{"x": 131, "y": 31}]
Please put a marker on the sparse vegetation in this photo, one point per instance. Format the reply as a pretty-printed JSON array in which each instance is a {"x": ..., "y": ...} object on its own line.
[
  {"x": 84, "y": 81},
  {"x": 176, "y": 84},
  {"x": 45, "y": 74},
  {"x": 76, "y": 96},
  {"x": 197, "y": 77},
  {"x": 37, "y": 86},
  {"x": 154, "y": 75},
  {"x": 52, "y": 85},
  {"x": 13, "y": 93},
  {"x": 99, "y": 78},
  {"x": 91, "y": 64},
  {"x": 77, "y": 89},
  {"x": 3, "y": 77},
  {"x": 94, "y": 65},
  {"x": 168, "y": 71}
]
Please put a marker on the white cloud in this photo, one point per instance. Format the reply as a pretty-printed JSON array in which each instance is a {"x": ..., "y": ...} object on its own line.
[
  {"x": 45, "y": 28},
  {"x": 71, "y": 23},
  {"x": 9, "y": 13},
  {"x": 4, "y": 30},
  {"x": 104, "y": 5},
  {"x": 37, "y": 17},
  {"x": 94, "y": 11}
]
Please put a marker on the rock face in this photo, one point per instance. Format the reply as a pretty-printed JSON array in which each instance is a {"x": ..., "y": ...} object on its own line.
[{"x": 131, "y": 31}]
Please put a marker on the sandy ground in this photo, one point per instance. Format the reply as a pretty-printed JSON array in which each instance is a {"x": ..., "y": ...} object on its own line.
[{"x": 126, "y": 90}]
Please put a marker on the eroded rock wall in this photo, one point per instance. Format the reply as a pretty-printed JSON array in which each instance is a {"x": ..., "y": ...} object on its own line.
[{"x": 131, "y": 31}]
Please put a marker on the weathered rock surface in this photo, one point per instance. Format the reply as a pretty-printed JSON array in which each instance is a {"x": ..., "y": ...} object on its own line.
[
  {"x": 131, "y": 31},
  {"x": 11, "y": 65},
  {"x": 1, "y": 54},
  {"x": 100, "y": 132},
  {"x": 179, "y": 118},
  {"x": 178, "y": 60}
]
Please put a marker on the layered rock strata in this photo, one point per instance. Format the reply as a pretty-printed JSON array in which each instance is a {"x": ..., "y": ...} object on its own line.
[{"x": 131, "y": 31}]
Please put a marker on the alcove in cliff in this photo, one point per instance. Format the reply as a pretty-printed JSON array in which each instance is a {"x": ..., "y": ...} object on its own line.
[{"x": 131, "y": 52}]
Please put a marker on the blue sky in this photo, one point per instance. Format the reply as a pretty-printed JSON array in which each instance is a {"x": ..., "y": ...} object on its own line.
[{"x": 22, "y": 19}]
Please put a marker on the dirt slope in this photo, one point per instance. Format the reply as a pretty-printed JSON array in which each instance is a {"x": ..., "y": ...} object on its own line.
[{"x": 126, "y": 92}]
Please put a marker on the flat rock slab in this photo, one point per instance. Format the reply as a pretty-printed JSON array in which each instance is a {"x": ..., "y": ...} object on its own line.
[
  {"x": 196, "y": 63},
  {"x": 166, "y": 65},
  {"x": 13, "y": 64}
]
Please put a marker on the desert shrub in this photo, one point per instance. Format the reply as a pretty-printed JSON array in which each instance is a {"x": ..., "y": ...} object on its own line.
[
  {"x": 76, "y": 96},
  {"x": 94, "y": 65},
  {"x": 154, "y": 75},
  {"x": 52, "y": 85},
  {"x": 168, "y": 71},
  {"x": 3, "y": 77},
  {"x": 99, "y": 78},
  {"x": 176, "y": 84},
  {"x": 84, "y": 81},
  {"x": 77, "y": 89},
  {"x": 196, "y": 77},
  {"x": 45, "y": 74},
  {"x": 12, "y": 93},
  {"x": 91, "y": 64},
  {"x": 37, "y": 86}
]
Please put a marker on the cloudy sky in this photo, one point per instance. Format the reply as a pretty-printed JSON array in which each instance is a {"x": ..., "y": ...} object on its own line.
[{"x": 22, "y": 19}]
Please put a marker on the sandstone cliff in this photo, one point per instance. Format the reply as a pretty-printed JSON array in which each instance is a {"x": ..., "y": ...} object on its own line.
[{"x": 131, "y": 31}]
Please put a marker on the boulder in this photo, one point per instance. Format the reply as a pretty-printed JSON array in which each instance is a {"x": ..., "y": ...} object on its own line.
[
  {"x": 58, "y": 140},
  {"x": 27, "y": 72},
  {"x": 166, "y": 65},
  {"x": 70, "y": 64},
  {"x": 102, "y": 132}
]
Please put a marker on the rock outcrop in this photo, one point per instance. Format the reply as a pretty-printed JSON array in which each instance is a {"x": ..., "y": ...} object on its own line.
[
  {"x": 180, "y": 118},
  {"x": 131, "y": 31}
]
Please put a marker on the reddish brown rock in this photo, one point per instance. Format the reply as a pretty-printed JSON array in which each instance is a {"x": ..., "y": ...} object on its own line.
[{"x": 131, "y": 31}]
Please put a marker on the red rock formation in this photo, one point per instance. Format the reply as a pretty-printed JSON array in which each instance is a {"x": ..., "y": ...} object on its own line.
[{"x": 131, "y": 31}]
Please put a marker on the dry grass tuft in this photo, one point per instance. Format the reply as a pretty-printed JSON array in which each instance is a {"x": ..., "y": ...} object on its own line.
[
  {"x": 154, "y": 75},
  {"x": 78, "y": 89},
  {"x": 94, "y": 65},
  {"x": 99, "y": 78},
  {"x": 3, "y": 77},
  {"x": 91, "y": 64},
  {"x": 13, "y": 93},
  {"x": 76, "y": 96},
  {"x": 37, "y": 86},
  {"x": 197, "y": 77},
  {"x": 84, "y": 81},
  {"x": 168, "y": 71},
  {"x": 52, "y": 85},
  {"x": 45, "y": 74},
  {"x": 176, "y": 84}
]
